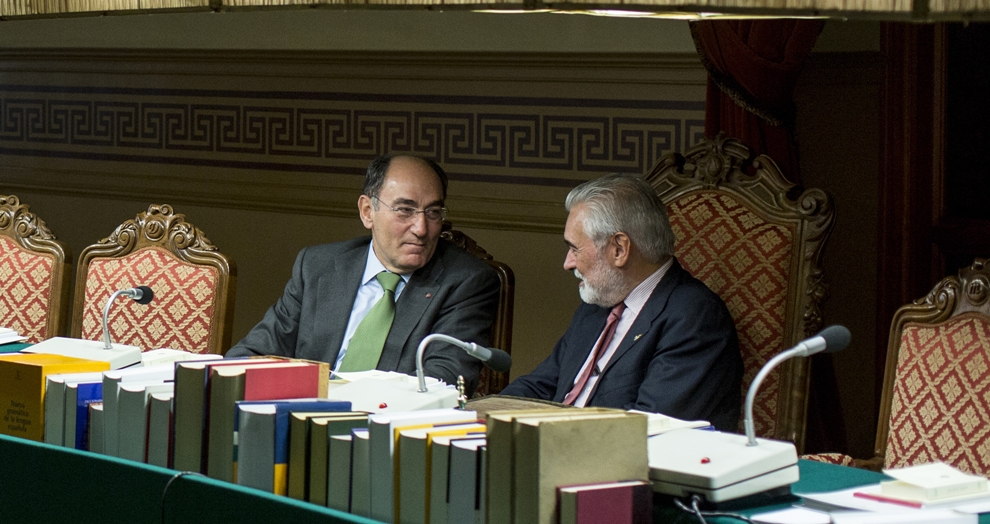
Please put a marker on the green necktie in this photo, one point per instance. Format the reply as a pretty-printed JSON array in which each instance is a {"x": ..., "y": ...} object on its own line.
[{"x": 365, "y": 347}]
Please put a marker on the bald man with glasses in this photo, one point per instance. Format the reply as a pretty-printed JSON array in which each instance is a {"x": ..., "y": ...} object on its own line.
[{"x": 368, "y": 302}]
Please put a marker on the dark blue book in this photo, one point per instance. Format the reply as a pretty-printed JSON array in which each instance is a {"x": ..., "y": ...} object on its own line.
[{"x": 86, "y": 394}]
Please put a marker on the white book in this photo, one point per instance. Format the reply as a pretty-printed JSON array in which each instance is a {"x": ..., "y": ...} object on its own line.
[
  {"x": 382, "y": 430},
  {"x": 160, "y": 429},
  {"x": 464, "y": 501},
  {"x": 55, "y": 402},
  {"x": 931, "y": 482},
  {"x": 339, "y": 472},
  {"x": 111, "y": 386},
  {"x": 96, "y": 427},
  {"x": 132, "y": 417}
]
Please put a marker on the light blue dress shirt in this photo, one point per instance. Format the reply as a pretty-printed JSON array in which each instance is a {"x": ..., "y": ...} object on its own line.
[{"x": 368, "y": 294}]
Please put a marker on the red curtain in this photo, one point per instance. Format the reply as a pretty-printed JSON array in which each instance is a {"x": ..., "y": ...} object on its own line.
[{"x": 753, "y": 66}]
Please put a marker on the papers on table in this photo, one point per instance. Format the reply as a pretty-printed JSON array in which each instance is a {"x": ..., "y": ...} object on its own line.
[
  {"x": 8, "y": 335},
  {"x": 846, "y": 507},
  {"x": 800, "y": 515},
  {"x": 657, "y": 423}
]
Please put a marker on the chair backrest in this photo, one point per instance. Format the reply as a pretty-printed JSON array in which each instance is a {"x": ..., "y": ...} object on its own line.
[
  {"x": 192, "y": 281},
  {"x": 742, "y": 231},
  {"x": 491, "y": 382},
  {"x": 34, "y": 274},
  {"x": 936, "y": 390}
]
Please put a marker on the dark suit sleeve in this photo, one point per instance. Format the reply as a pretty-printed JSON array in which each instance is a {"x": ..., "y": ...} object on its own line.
[
  {"x": 695, "y": 370},
  {"x": 545, "y": 381},
  {"x": 278, "y": 330},
  {"x": 470, "y": 300}
]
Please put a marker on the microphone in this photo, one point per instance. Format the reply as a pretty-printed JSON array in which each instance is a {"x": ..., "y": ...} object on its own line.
[
  {"x": 829, "y": 340},
  {"x": 140, "y": 294},
  {"x": 496, "y": 359}
]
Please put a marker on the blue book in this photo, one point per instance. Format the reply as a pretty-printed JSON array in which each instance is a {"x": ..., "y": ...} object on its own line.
[
  {"x": 86, "y": 394},
  {"x": 262, "y": 441}
]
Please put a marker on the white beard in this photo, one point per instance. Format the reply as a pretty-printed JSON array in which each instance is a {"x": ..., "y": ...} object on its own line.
[{"x": 604, "y": 285}]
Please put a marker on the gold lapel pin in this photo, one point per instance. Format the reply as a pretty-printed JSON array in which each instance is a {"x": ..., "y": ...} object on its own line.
[{"x": 637, "y": 337}]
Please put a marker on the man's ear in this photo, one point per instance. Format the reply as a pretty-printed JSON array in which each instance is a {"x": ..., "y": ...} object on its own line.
[
  {"x": 365, "y": 211},
  {"x": 619, "y": 249}
]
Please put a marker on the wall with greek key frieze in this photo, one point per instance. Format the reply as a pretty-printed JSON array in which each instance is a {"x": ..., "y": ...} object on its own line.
[{"x": 266, "y": 151}]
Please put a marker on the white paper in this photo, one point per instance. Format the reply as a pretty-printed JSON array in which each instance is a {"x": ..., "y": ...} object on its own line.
[
  {"x": 928, "y": 516},
  {"x": 793, "y": 516}
]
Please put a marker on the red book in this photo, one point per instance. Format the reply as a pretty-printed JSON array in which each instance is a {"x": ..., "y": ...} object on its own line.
[{"x": 607, "y": 503}]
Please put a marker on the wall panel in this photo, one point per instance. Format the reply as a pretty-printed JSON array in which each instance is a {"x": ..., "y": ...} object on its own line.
[{"x": 270, "y": 147}]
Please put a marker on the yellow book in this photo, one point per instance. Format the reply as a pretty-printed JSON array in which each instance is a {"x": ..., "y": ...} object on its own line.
[{"x": 22, "y": 389}]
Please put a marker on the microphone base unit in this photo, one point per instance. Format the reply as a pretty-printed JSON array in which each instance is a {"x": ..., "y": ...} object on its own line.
[
  {"x": 376, "y": 395},
  {"x": 719, "y": 466},
  {"x": 119, "y": 355}
]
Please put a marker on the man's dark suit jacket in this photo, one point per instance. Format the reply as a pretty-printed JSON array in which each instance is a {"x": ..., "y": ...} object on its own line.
[
  {"x": 455, "y": 294},
  {"x": 680, "y": 357}
]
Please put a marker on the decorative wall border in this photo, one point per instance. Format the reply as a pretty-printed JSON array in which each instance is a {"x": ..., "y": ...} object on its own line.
[
  {"x": 330, "y": 132},
  {"x": 294, "y": 131}
]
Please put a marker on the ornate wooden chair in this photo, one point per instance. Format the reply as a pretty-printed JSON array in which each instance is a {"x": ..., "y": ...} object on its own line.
[
  {"x": 741, "y": 230},
  {"x": 193, "y": 284},
  {"x": 34, "y": 274},
  {"x": 936, "y": 387},
  {"x": 490, "y": 381}
]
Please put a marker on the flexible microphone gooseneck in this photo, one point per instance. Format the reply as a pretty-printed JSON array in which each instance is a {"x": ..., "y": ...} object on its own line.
[
  {"x": 496, "y": 359},
  {"x": 829, "y": 340},
  {"x": 140, "y": 294}
]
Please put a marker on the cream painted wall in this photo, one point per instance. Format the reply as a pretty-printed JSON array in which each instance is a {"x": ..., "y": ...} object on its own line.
[{"x": 372, "y": 30}]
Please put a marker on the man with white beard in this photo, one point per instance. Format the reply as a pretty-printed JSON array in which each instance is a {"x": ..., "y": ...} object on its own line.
[{"x": 649, "y": 335}]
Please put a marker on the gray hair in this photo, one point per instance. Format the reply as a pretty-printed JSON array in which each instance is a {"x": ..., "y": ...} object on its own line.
[{"x": 626, "y": 203}]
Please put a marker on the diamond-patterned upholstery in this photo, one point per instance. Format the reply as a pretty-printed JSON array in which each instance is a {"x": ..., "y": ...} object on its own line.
[
  {"x": 740, "y": 232},
  {"x": 192, "y": 283},
  {"x": 940, "y": 410},
  {"x": 491, "y": 382},
  {"x": 936, "y": 387},
  {"x": 34, "y": 273}
]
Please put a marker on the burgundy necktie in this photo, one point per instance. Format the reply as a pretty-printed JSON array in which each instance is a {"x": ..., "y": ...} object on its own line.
[{"x": 613, "y": 320}]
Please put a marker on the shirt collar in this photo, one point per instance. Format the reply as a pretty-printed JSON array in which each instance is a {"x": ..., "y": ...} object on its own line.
[
  {"x": 640, "y": 294},
  {"x": 375, "y": 266}
]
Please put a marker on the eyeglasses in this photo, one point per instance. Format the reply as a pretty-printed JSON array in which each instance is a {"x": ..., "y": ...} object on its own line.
[{"x": 433, "y": 214}]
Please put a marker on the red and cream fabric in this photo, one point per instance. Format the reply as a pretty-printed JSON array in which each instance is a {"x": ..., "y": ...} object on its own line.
[
  {"x": 745, "y": 260},
  {"x": 831, "y": 458},
  {"x": 940, "y": 408},
  {"x": 179, "y": 317},
  {"x": 25, "y": 290}
]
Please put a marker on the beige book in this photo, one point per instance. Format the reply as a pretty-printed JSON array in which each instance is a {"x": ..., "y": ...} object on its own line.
[
  {"x": 550, "y": 452},
  {"x": 499, "y": 470}
]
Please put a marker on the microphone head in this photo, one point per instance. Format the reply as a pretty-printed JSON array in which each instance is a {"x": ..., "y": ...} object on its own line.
[
  {"x": 146, "y": 295},
  {"x": 836, "y": 338},
  {"x": 499, "y": 361}
]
